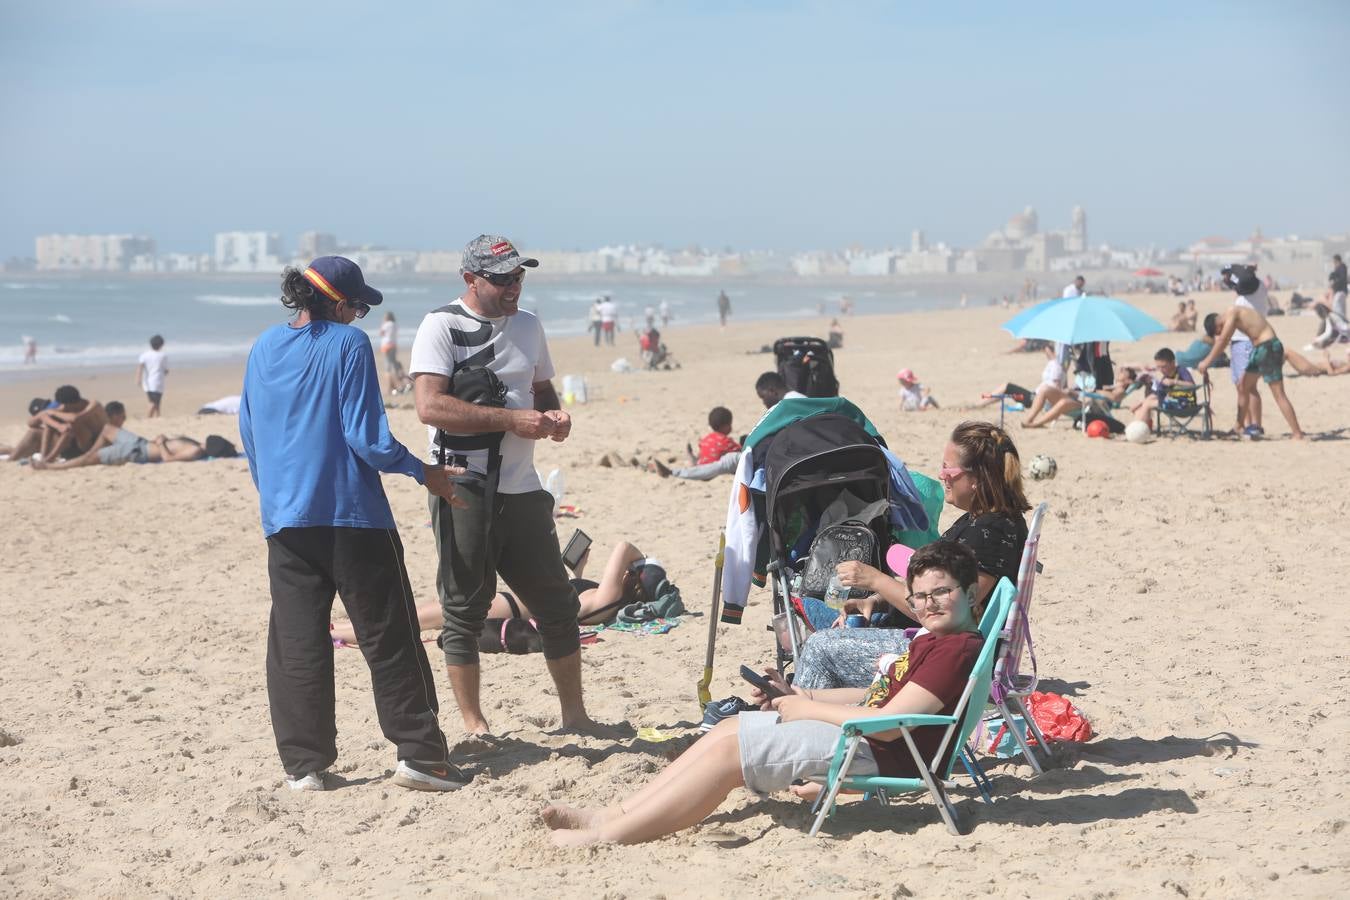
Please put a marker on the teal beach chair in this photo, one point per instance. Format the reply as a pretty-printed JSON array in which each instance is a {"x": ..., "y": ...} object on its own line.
[{"x": 934, "y": 774}]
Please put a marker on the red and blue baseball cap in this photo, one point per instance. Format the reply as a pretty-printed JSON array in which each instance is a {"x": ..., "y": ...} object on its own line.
[{"x": 340, "y": 279}]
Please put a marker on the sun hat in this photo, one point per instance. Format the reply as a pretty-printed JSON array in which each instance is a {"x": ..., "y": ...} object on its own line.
[
  {"x": 906, "y": 375},
  {"x": 338, "y": 278},
  {"x": 492, "y": 254}
]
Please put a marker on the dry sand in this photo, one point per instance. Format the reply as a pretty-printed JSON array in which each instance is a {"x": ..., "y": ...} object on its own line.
[{"x": 1191, "y": 605}]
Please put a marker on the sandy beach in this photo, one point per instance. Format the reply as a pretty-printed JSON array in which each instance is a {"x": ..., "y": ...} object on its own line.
[{"x": 1190, "y": 606}]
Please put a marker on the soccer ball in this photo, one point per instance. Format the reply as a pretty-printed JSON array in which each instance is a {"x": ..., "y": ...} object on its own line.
[
  {"x": 1138, "y": 433},
  {"x": 1042, "y": 468}
]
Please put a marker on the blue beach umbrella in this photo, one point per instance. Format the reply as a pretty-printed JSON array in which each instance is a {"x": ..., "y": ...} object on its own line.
[{"x": 1078, "y": 320}]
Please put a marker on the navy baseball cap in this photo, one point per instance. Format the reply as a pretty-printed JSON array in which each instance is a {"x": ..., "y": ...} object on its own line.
[{"x": 340, "y": 279}]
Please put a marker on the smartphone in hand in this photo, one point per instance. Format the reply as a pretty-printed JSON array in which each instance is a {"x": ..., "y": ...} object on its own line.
[{"x": 759, "y": 681}]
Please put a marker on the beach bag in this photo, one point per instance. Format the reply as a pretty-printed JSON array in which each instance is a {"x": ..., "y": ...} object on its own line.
[
  {"x": 219, "y": 448},
  {"x": 480, "y": 386},
  {"x": 1058, "y": 719},
  {"x": 843, "y": 541}
]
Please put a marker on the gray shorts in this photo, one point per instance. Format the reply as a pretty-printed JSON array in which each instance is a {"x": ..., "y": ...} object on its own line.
[
  {"x": 774, "y": 754},
  {"x": 125, "y": 451}
]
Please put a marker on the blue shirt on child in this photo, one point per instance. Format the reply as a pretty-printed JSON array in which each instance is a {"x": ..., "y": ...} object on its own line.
[{"x": 314, "y": 429}]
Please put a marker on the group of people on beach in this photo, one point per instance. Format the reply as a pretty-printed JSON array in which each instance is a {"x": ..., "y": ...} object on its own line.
[
  {"x": 71, "y": 431},
  {"x": 316, "y": 436}
]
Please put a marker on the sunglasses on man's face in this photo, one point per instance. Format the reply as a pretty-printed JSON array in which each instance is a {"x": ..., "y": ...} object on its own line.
[
  {"x": 359, "y": 308},
  {"x": 502, "y": 280}
]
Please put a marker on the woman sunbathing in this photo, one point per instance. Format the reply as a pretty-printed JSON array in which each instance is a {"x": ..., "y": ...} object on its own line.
[
  {"x": 620, "y": 585},
  {"x": 1052, "y": 401},
  {"x": 981, "y": 475},
  {"x": 767, "y": 751}
]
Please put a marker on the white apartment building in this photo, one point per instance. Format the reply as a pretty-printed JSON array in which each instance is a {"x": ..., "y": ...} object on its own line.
[
  {"x": 91, "y": 252},
  {"x": 248, "y": 251}
]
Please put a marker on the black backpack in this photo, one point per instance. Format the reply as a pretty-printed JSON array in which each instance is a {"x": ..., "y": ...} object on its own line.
[
  {"x": 219, "y": 448},
  {"x": 807, "y": 365},
  {"x": 834, "y": 544}
]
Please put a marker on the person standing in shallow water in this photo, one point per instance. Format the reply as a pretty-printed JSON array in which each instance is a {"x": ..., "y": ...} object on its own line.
[{"x": 316, "y": 437}]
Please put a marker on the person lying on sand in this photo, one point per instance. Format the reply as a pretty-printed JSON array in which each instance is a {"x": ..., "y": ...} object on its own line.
[
  {"x": 767, "y": 751},
  {"x": 619, "y": 585},
  {"x": 115, "y": 446}
]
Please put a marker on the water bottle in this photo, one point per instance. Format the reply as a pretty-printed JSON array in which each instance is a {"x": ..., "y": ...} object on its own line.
[
  {"x": 554, "y": 485},
  {"x": 835, "y": 593}
]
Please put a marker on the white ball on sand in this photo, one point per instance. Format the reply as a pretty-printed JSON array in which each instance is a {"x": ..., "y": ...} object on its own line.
[
  {"x": 1042, "y": 467},
  {"x": 1138, "y": 433}
]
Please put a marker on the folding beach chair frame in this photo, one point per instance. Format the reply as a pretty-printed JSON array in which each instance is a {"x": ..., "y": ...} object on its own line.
[
  {"x": 969, "y": 711},
  {"x": 1179, "y": 422},
  {"x": 1010, "y": 686}
]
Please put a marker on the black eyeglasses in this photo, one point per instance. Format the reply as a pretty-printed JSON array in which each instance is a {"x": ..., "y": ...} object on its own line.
[
  {"x": 501, "y": 280},
  {"x": 360, "y": 308}
]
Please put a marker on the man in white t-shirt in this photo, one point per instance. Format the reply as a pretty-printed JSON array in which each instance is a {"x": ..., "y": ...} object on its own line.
[
  {"x": 151, "y": 368},
  {"x": 506, "y": 528},
  {"x": 609, "y": 314},
  {"x": 1075, "y": 288}
]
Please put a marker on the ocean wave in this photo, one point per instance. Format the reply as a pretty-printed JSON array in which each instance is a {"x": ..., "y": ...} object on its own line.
[
  {"x": 235, "y": 300},
  {"x": 11, "y": 358},
  {"x": 62, "y": 318},
  {"x": 29, "y": 286}
]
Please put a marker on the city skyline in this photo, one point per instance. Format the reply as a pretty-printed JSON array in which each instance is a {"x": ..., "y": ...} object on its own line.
[{"x": 764, "y": 128}]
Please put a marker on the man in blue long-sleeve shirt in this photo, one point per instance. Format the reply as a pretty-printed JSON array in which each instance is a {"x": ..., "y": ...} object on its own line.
[{"x": 316, "y": 436}]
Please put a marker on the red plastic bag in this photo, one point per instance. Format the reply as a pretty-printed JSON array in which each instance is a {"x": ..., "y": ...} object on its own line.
[{"x": 1058, "y": 719}]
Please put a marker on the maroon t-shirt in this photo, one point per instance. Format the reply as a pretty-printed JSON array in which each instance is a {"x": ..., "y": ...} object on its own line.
[{"x": 941, "y": 664}]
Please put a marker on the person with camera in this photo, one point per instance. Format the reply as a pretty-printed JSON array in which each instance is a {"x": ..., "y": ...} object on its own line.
[
  {"x": 316, "y": 437},
  {"x": 482, "y": 383}
]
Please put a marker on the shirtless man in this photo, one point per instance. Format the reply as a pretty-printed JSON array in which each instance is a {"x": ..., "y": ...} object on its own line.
[
  {"x": 1266, "y": 362},
  {"x": 115, "y": 446},
  {"x": 67, "y": 430}
]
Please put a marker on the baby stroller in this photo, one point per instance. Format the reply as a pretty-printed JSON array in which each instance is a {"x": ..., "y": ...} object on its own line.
[
  {"x": 807, "y": 366},
  {"x": 826, "y": 500}
]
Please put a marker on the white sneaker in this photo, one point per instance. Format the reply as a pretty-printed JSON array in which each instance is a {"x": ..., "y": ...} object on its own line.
[
  {"x": 420, "y": 776},
  {"x": 311, "y": 782}
]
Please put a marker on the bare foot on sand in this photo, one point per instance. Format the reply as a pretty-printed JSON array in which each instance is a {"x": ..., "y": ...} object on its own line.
[
  {"x": 574, "y": 838},
  {"x": 560, "y": 817},
  {"x": 477, "y": 727},
  {"x": 809, "y": 791}
]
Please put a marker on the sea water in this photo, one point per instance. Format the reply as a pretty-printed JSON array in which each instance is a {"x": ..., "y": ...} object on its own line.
[{"x": 108, "y": 320}]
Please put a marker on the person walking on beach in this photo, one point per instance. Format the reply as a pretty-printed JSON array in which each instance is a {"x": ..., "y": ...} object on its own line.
[
  {"x": 663, "y": 309},
  {"x": 484, "y": 339},
  {"x": 609, "y": 317},
  {"x": 723, "y": 307},
  {"x": 151, "y": 369},
  {"x": 1336, "y": 282},
  {"x": 1266, "y": 361},
  {"x": 594, "y": 319},
  {"x": 29, "y": 350},
  {"x": 399, "y": 381},
  {"x": 316, "y": 437}
]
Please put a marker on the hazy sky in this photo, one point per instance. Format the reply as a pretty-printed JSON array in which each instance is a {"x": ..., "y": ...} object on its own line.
[{"x": 756, "y": 125}]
